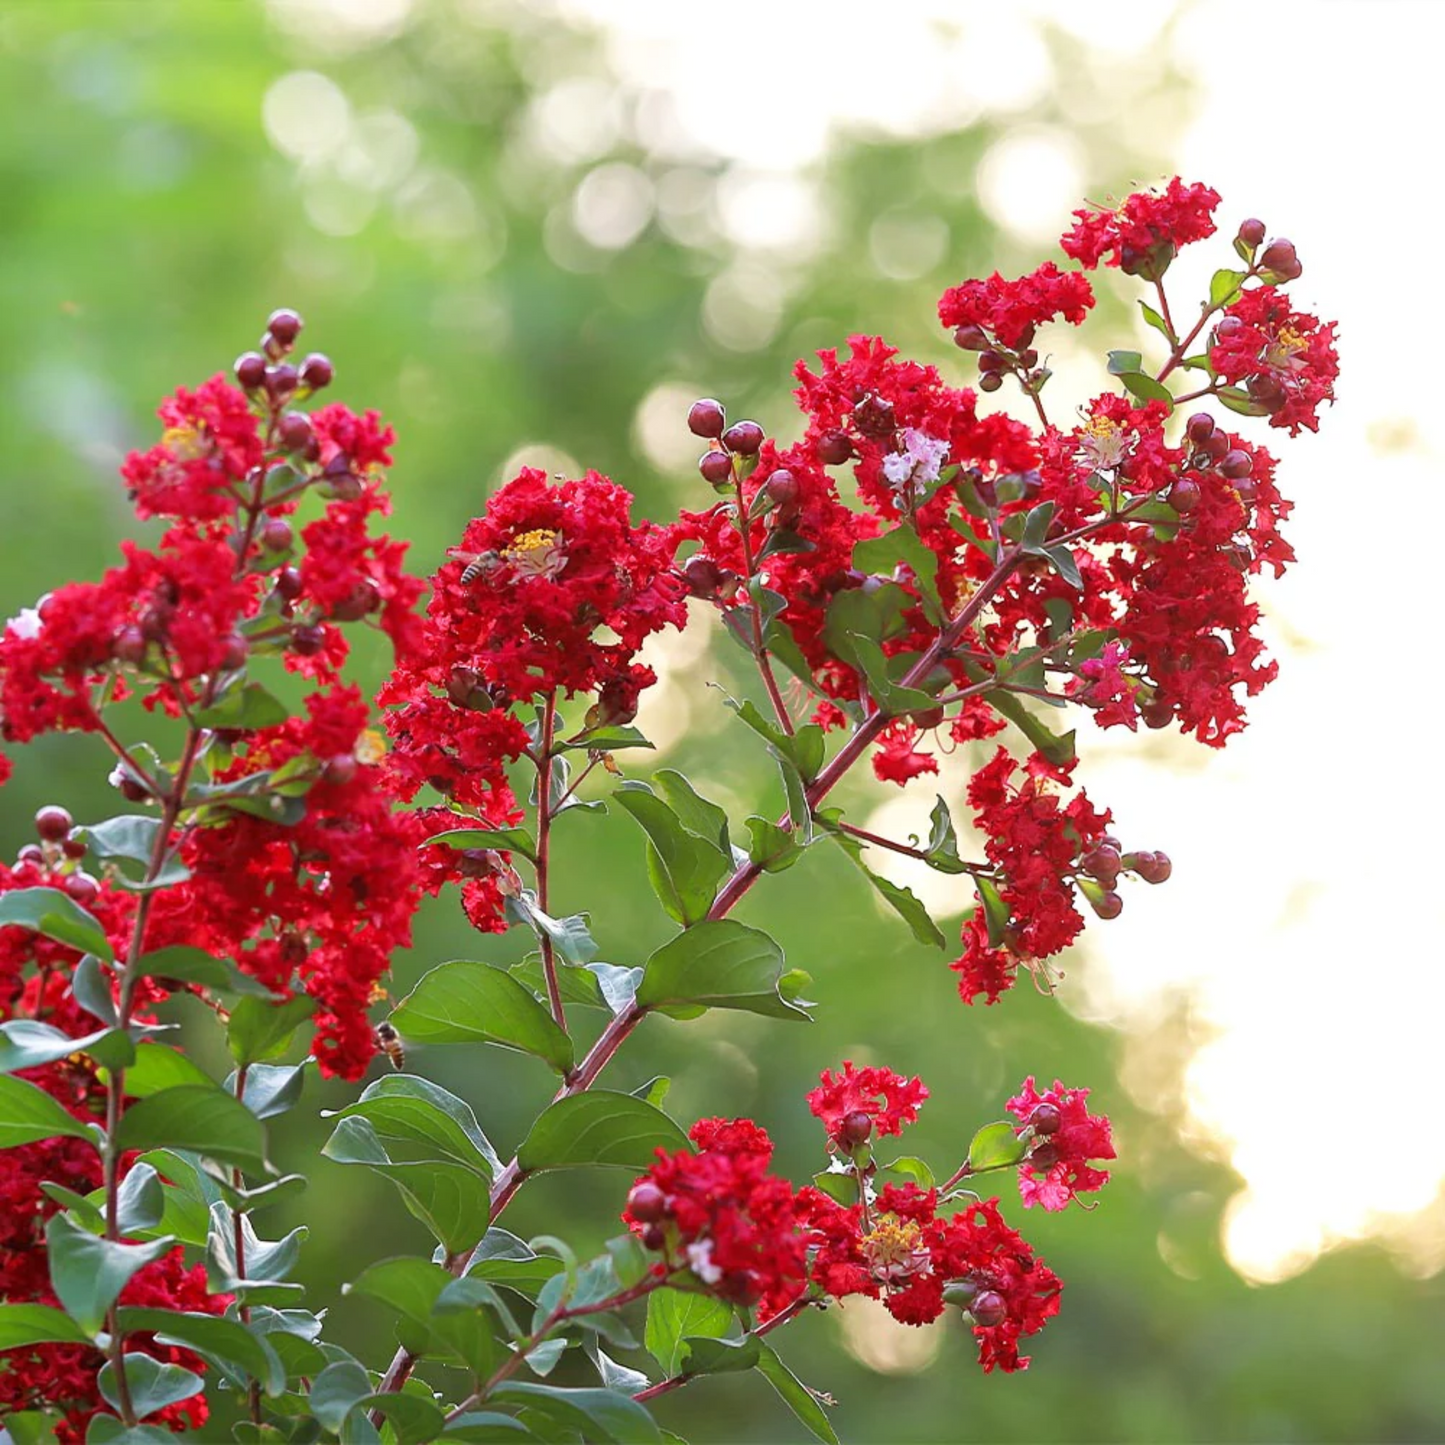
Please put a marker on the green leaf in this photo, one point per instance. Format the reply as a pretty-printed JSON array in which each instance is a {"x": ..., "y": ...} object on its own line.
[
  {"x": 107, "y": 1430},
  {"x": 600, "y": 1416},
  {"x": 158, "y": 1067},
  {"x": 598, "y": 1128},
  {"x": 504, "y": 1259},
  {"x": 34, "y": 1427},
  {"x": 995, "y": 910},
  {"x": 247, "y": 708},
  {"x": 694, "y": 812},
  {"x": 685, "y": 868},
  {"x": 1239, "y": 400},
  {"x": 260, "y": 1030},
  {"x": 676, "y": 1314},
  {"x": 463, "y": 1002},
  {"x": 229, "y": 1343},
  {"x": 153, "y": 1385},
  {"x": 412, "y": 1418},
  {"x": 508, "y": 840},
  {"x": 487, "y": 1427},
  {"x": 903, "y": 544},
  {"x": 1036, "y": 524},
  {"x": 134, "y": 837},
  {"x": 1224, "y": 286},
  {"x": 336, "y": 1391},
  {"x": 901, "y": 900},
  {"x": 57, "y": 915},
  {"x": 90, "y": 985},
  {"x": 464, "y": 1321},
  {"x": 605, "y": 740},
  {"x": 28, "y": 1324},
  {"x": 28, "y": 1113},
  {"x": 781, "y": 540},
  {"x": 942, "y": 850},
  {"x": 408, "y": 1285},
  {"x": 195, "y": 965},
  {"x": 892, "y": 697},
  {"x": 995, "y": 1146},
  {"x": 704, "y": 1356},
  {"x": 1143, "y": 386},
  {"x": 416, "y": 1119},
  {"x": 770, "y": 847},
  {"x": 803, "y": 748},
  {"x": 88, "y": 1273},
  {"x": 267, "y": 1262},
  {"x": 194, "y": 1117},
  {"x": 140, "y": 1201},
  {"x": 270, "y": 1089},
  {"x": 1066, "y": 565},
  {"x": 25, "y": 1044},
  {"x": 1124, "y": 361},
  {"x": 718, "y": 964},
  {"x": 1056, "y": 748},
  {"x": 912, "y": 1169},
  {"x": 802, "y": 1401},
  {"x": 453, "y": 1201},
  {"x": 1157, "y": 322}
]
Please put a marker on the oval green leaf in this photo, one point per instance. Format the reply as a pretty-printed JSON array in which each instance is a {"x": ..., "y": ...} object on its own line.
[
  {"x": 598, "y": 1128},
  {"x": 196, "y": 1117}
]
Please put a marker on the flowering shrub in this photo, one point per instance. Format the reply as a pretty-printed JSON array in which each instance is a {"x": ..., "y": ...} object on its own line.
[{"x": 923, "y": 569}]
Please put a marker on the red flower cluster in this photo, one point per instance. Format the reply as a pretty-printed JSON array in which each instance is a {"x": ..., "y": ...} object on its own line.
[
  {"x": 1286, "y": 359},
  {"x": 1145, "y": 230},
  {"x": 1010, "y": 311},
  {"x": 857, "y": 1102},
  {"x": 1066, "y": 1138},
  {"x": 722, "y": 1218}
]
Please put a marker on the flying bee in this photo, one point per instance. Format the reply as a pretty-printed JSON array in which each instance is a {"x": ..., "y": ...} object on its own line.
[
  {"x": 478, "y": 564},
  {"x": 389, "y": 1042}
]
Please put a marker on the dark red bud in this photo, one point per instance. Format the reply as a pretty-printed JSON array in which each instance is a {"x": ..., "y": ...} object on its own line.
[
  {"x": 988, "y": 1308},
  {"x": 1029, "y": 357},
  {"x": 702, "y": 575},
  {"x": 990, "y": 381},
  {"x": 317, "y": 371},
  {"x": 130, "y": 645},
  {"x": 284, "y": 325},
  {"x": 1267, "y": 391},
  {"x": 361, "y": 601},
  {"x": 234, "y": 653},
  {"x": 743, "y": 437},
  {"x": 1252, "y": 231},
  {"x": 341, "y": 769},
  {"x": 293, "y": 950},
  {"x": 280, "y": 381},
  {"x": 970, "y": 338},
  {"x": 1279, "y": 256},
  {"x": 1043, "y": 1156},
  {"x": 1246, "y": 489},
  {"x": 73, "y": 848},
  {"x": 1236, "y": 464},
  {"x": 1109, "y": 905},
  {"x": 30, "y": 853},
  {"x": 276, "y": 535},
  {"x": 1046, "y": 1118},
  {"x": 1101, "y": 862},
  {"x": 1199, "y": 427},
  {"x": 250, "y": 370},
  {"x": 873, "y": 416},
  {"x": 1230, "y": 326},
  {"x": 288, "y": 583},
  {"x": 990, "y": 361},
  {"x": 307, "y": 640},
  {"x": 834, "y": 448},
  {"x": 706, "y": 418},
  {"x": 1215, "y": 447},
  {"x": 295, "y": 431},
  {"x": 53, "y": 823},
  {"x": 782, "y": 487},
  {"x": 855, "y": 1129},
  {"x": 1184, "y": 495},
  {"x": 646, "y": 1202},
  {"x": 131, "y": 790},
  {"x": 1157, "y": 714},
  {"x": 82, "y": 887},
  {"x": 716, "y": 467},
  {"x": 1159, "y": 869}
]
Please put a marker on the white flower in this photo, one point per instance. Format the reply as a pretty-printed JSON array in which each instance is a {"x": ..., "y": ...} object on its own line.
[
  {"x": 918, "y": 464},
  {"x": 699, "y": 1256},
  {"x": 27, "y": 624}
]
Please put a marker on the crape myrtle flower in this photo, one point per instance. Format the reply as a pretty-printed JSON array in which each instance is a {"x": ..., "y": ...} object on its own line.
[{"x": 1066, "y": 1137}]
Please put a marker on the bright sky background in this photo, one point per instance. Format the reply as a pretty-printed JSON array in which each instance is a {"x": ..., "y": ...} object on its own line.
[{"x": 1303, "y": 919}]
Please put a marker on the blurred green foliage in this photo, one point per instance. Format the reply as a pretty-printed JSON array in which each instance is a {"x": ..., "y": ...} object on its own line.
[{"x": 148, "y": 224}]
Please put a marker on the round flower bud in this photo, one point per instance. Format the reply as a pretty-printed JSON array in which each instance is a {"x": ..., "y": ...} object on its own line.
[
  {"x": 1157, "y": 714},
  {"x": 1101, "y": 863},
  {"x": 970, "y": 338},
  {"x": 288, "y": 583},
  {"x": 782, "y": 487},
  {"x": 317, "y": 371},
  {"x": 250, "y": 370},
  {"x": 646, "y": 1202},
  {"x": 82, "y": 887},
  {"x": 702, "y": 575},
  {"x": 73, "y": 848},
  {"x": 743, "y": 437},
  {"x": 1267, "y": 391},
  {"x": 130, "y": 788},
  {"x": 280, "y": 381},
  {"x": 284, "y": 325},
  {"x": 988, "y": 1308},
  {"x": 1029, "y": 357},
  {"x": 990, "y": 361},
  {"x": 990, "y": 381},
  {"x": 873, "y": 416},
  {"x": 1199, "y": 427},
  {"x": 129, "y": 645},
  {"x": 1251, "y": 232},
  {"x": 706, "y": 418},
  {"x": 361, "y": 601},
  {"x": 1159, "y": 869},
  {"x": 1280, "y": 258},
  {"x": 1108, "y": 905},
  {"x": 276, "y": 535},
  {"x": 716, "y": 467},
  {"x": 307, "y": 640},
  {"x": 53, "y": 823},
  {"x": 295, "y": 431},
  {"x": 927, "y": 717},
  {"x": 1230, "y": 326},
  {"x": 233, "y": 654},
  {"x": 834, "y": 448},
  {"x": 1236, "y": 464},
  {"x": 341, "y": 769},
  {"x": 1043, "y": 1156},
  {"x": 1216, "y": 446},
  {"x": 1184, "y": 495},
  {"x": 30, "y": 853},
  {"x": 855, "y": 1129},
  {"x": 1046, "y": 1118}
]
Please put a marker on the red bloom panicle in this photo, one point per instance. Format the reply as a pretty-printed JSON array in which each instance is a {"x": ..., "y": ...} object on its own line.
[
  {"x": 1143, "y": 233},
  {"x": 1286, "y": 359},
  {"x": 720, "y": 1217},
  {"x": 1066, "y": 1137},
  {"x": 1010, "y": 311},
  {"x": 856, "y": 1102}
]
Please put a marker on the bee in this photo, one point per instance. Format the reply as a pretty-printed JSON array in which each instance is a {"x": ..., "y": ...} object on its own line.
[
  {"x": 389, "y": 1042},
  {"x": 478, "y": 564}
]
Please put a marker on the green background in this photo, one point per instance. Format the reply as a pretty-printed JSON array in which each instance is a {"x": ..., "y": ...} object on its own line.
[{"x": 147, "y": 225}]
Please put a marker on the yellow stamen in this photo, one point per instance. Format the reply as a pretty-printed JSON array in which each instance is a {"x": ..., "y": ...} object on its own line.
[
  {"x": 537, "y": 553},
  {"x": 185, "y": 443}
]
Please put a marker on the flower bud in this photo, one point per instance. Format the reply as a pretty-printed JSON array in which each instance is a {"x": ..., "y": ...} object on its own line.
[
  {"x": 1158, "y": 870},
  {"x": 82, "y": 887},
  {"x": 990, "y": 361},
  {"x": 782, "y": 487},
  {"x": 317, "y": 371},
  {"x": 341, "y": 769},
  {"x": 73, "y": 848},
  {"x": 988, "y": 1308},
  {"x": 1046, "y": 1118},
  {"x": 1251, "y": 232},
  {"x": 361, "y": 601},
  {"x": 873, "y": 416},
  {"x": 990, "y": 381},
  {"x": 706, "y": 418},
  {"x": 970, "y": 338},
  {"x": 288, "y": 583},
  {"x": 834, "y": 448},
  {"x": 53, "y": 823},
  {"x": 285, "y": 326},
  {"x": 1043, "y": 1156},
  {"x": 1267, "y": 391},
  {"x": 1157, "y": 714},
  {"x": 234, "y": 652},
  {"x": 716, "y": 467},
  {"x": 646, "y": 1202},
  {"x": 1184, "y": 495},
  {"x": 294, "y": 431},
  {"x": 1107, "y": 905},
  {"x": 1029, "y": 357},
  {"x": 743, "y": 437},
  {"x": 30, "y": 853},
  {"x": 927, "y": 717},
  {"x": 855, "y": 1129},
  {"x": 129, "y": 645},
  {"x": 276, "y": 535},
  {"x": 1101, "y": 863},
  {"x": 280, "y": 381},
  {"x": 1215, "y": 446},
  {"x": 250, "y": 370},
  {"x": 1199, "y": 427},
  {"x": 1279, "y": 258},
  {"x": 702, "y": 575},
  {"x": 1235, "y": 464},
  {"x": 307, "y": 640}
]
